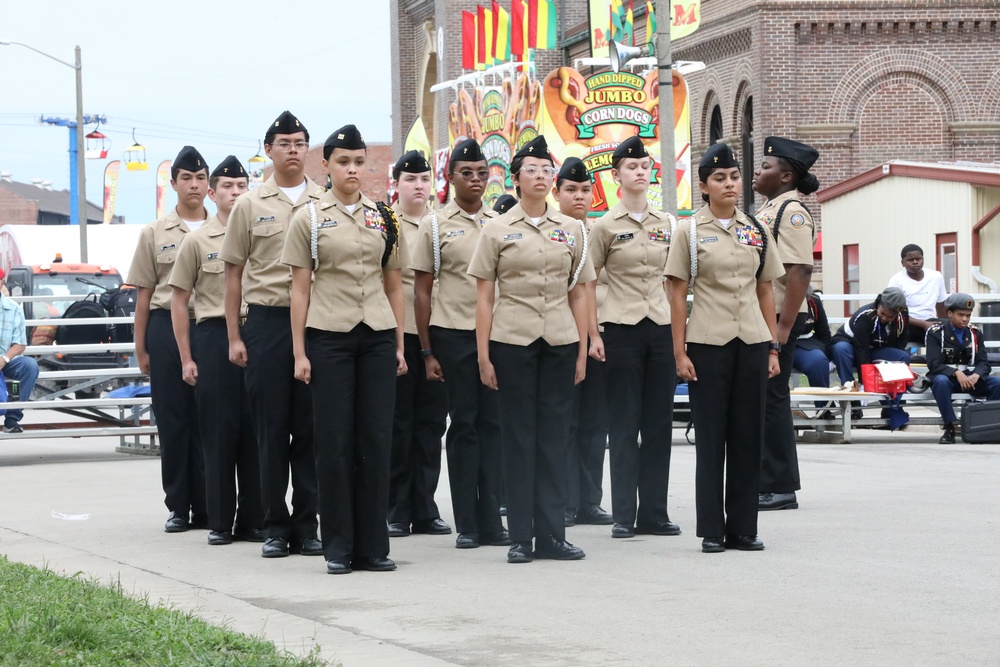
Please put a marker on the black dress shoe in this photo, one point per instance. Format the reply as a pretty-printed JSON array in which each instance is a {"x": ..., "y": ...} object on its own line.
[
  {"x": 199, "y": 522},
  {"x": 622, "y": 531},
  {"x": 467, "y": 541},
  {"x": 176, "y": 523},
  {"x": 399, "y": 529},
  {"x": 594, "y": 515},
  {"x": 245, "y": 534},
  {"x": 826, "y": 415},
  {"x": 274, "y": 547},
  {"x": 306, "y": 546},
  {"x": 712, "y": 545},
  {"x": 520, "y": 552},
  {"x": 744, "y": 543},
  {"x": 949, "y": 435},
  {"x": 337, "y": 567},
  {"x": 549, "y": 547},
  {"x": 777, "y": 501},
  {"x": 570, "y": 518},
  {"x": 857, "y": 413},
  {"x": 217, "y": 537},
  {"x": 431, "y": 527},
  {"x": 667, "y": 527},
  {"x": 374, "y": 564},
  {"x": 501, "y": 539}
]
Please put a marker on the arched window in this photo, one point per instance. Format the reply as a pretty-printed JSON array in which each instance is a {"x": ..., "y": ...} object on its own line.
[
  {"x": 715, "y": 131},
  {"x": 746, "y": 138}
]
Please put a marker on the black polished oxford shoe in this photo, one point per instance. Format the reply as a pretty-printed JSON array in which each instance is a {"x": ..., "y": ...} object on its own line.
[
  {"x": 777, "y": 501},
  {"x": 337, "y": 567},
  {"x": 244, "y": 534},
  {"x": 712, "y": 545},
  {"x": 274, "y": 547},
  {"x": 569, "y": 520},
  {"x": 432, "y": 527},
  {"x": 622, "y": 531},
  {"x": 176, "y": 523},
  {"x": 306, "y": 546},
  {"x": 551, "y": 548},
  {"x": 949, "y": 435},
  {"x": 594, "y": 515},
  {"x": 520, "y": 552},
  {"x": 744, "y": 543},
  {"x": 399, "y": 530},
  {"x": 667, "y": 527},
  {"x": 467, "y": 541},
  {"x": 217, "y": 537},
  {"x": 501, "y": 539},
  {"x": 373, "y": 564}
]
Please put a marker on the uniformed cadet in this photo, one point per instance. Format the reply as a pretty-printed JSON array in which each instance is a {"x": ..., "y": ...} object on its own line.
[
  {"x": 346, "y": 256},
  {"x": 956, "y": 361},
  {"x": 280, "y": 405},
  {"x": 223, "y": 408},
  {"x": 504, "y": 202},
  {"x": 726, "y": 350},
  {"x": 446, "y": 322},
  {"x": 182, "y": 461},
  {"x": 588, "y": 434},
  {"x": 630, "y": 245},
  {"x": 531, "y": 264},
  {"x": 783, "y": 178},
  {"x": 421, "y": 401}
]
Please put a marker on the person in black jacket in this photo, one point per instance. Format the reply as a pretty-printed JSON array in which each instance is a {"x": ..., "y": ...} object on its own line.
[
  {"x": 956, "y": 361},
  {"x": 876, "y": 332}
]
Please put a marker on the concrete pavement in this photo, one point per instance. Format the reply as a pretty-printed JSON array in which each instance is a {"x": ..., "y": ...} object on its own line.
[{"x": 892, "y": 559}]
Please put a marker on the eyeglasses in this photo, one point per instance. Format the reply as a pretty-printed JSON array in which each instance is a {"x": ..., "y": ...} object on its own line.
[
  {"x": 287, "y": 145},
  {"x": 532, "y": 170},
  {"x": 467, "y": 174}
]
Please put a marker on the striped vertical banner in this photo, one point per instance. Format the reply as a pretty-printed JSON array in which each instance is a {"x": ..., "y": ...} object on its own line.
[
  {"x": 162, "y": 180},
  {"x": 111, "y": 189}
]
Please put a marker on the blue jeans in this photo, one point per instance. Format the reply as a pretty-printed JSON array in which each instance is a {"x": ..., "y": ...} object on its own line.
[
  {"x": 943, "y": 386},
  {"x": 24, "y": 370},
  {"x": 814, "y": 364},
  {"x": 842, "y": 355}
]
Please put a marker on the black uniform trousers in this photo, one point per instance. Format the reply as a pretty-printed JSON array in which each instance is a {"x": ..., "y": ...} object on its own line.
[
  {"x": 473, "y": 438},
  {"x": 642, "y": 375},
  {"x": 182, "y": 461},
  {"x": 779, "y": 466},
  {"x": 353, "y": 391},
  {"x": 536, "y": 403},
  {"x": 418, "y": 426},
  {"x": 727, "y": 405},
  {"x": 281, "y": 410},
  {"x": 588, "y": 439},
  {"x": 226, "y": 432}
]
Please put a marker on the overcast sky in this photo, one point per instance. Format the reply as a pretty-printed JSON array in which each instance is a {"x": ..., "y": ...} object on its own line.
[{"x": 211, "y": 74}]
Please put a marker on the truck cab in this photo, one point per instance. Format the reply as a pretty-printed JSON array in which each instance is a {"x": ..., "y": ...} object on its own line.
[{"x": 58, "y": 279}]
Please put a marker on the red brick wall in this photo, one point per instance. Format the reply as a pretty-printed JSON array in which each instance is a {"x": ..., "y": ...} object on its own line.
[
  {"x": 17, "y": 211},
  {"x": 374, "y": 179}
]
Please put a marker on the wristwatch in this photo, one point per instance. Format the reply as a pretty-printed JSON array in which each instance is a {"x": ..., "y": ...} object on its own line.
[
  {"x": 426, "y": 353},
  {"x": 775, "y": 346},
  {"x": 6, "y": 359}
]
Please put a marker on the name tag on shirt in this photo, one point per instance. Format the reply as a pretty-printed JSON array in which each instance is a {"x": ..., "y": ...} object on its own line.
[
  {"x": 266, "y": 218},
  {"x": 659, "y": 234},
  {"x": 212, "y": 255},
  {"x": 513, "y": 237},
  {"x": 460, "y": 232},
  {"x": 625, "y": 237},
  {"x": 709, "y": 239},
  {"x": 169, "y": 246},
  {"x": 749, "y": 235},
  {"x": 327, "y": 223},
  {"x": 373, "y": 220}
]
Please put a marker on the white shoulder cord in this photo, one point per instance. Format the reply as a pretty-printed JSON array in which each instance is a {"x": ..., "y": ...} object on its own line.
[
  {"x": 313, "y": 234},
  {"x": 436, "y": 242},
  {"x": 694, "y": 251},
  {"x": 583, "y": 255}
]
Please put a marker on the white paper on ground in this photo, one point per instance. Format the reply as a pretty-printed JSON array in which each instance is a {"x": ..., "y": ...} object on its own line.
[{"x": 69, "y": 517}]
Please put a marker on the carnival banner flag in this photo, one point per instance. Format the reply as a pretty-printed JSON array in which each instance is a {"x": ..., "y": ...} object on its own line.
[
  {"x": 629, "y": 37},
  {"x": 110, "y": 189},
  {"x": 501, "y": 33},
  {"x": 519, "y": 30},
  {"x": 416, "y": 140},
  {"x": 468, "y": 40},
  {"x": 686, "y": 20},
  {"x": 162, "y": 181},
  {"x": 542, "y": 24}
]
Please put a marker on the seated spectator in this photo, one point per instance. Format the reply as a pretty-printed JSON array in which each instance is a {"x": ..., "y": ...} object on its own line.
[
  {"x": 924, "y": 291},
  {"x": 13, "y": 365},
  {"x": 810, "y": 349},
  {"x": 956, "y": 361},
  {"x": 876, "y": 332}
]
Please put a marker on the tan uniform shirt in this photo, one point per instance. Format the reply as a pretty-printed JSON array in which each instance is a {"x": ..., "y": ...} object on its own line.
[
  {"x": 347, "y": 286},
  {"x": 454, "y": 306},
  {"x": 255, "y": 236},
  {"x": 725, "y": 291},
  {"x": 154, "y": 257},
  {"x": 795, "y": 240},
  {"x": 633, "y": 256},
  {"x": 410, "y": 228},
  {"x": 533, "y": 267},
  {"x": 199, "y": 270}
]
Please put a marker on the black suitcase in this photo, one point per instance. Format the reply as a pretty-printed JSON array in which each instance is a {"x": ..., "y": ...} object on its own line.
[{"x": 981, "y": 422}]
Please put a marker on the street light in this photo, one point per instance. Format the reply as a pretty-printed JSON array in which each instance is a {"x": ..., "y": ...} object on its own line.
[{"x": 81, "y": 175}]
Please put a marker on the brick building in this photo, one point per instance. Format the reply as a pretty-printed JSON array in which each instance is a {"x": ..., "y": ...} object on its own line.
[
  {"x": 374, "y": 177},
  {"x": 38, "y": 204}
]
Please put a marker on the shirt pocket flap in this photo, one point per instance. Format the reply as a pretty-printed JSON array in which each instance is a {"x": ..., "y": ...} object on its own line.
[
  {"x": 217, "y": 266},
  {"x": 166, "y": 257},
  {"x": 266, "y": 230}
]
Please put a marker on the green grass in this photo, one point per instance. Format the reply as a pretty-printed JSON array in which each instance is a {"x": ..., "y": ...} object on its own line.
[{"x": 48, "y": 620}]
